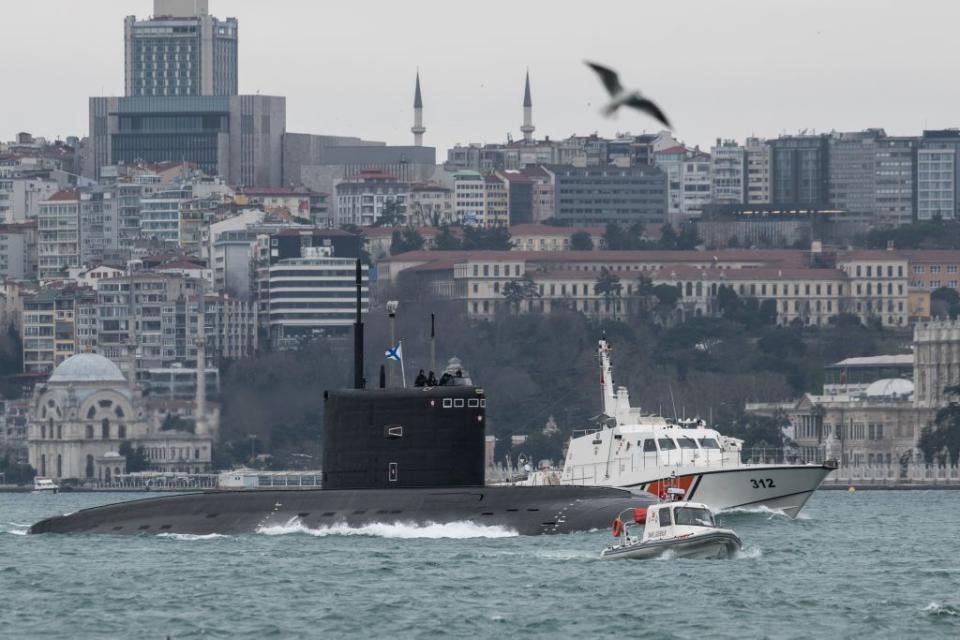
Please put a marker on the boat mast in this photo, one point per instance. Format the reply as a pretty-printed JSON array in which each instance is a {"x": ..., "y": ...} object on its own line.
[{"x": 607, "y": 393}]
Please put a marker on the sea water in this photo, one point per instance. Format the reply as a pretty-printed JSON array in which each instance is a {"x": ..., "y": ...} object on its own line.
[{"x": 869, "y": 564}]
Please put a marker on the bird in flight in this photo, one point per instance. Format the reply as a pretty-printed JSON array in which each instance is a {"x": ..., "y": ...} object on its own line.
[{"x": 619, "y": 96}]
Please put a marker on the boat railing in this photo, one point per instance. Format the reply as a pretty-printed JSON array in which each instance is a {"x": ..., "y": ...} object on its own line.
[{"x": 665, "y": 462}]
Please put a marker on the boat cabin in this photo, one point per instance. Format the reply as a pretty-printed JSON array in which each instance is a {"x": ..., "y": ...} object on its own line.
[{"x": 676, "y": 520}]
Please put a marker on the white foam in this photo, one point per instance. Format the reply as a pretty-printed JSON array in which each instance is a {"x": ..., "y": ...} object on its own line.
[
  {"x": 749, "y": 553},
  {"x": 763, "y": 510},
  {"x": 191, "y": 536},
  {"x": 937, "y": 609},
  {"x": 15, "y": 528},
  {"x": 392, "y": 530}
]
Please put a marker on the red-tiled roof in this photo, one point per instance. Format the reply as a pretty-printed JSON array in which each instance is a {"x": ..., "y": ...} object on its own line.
[
  {"x": 931, "y": 255},
  {"x": 870, "y": 254},
  {"x": 64, "y": 195},
  {"x": 773, "y": 257}
]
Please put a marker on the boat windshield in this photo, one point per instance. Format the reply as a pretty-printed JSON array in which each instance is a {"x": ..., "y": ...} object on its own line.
[
  {"x": 709, "y": 443},
  {"x": 666, "y": 444},
  {"x": 693, "y": 516},
  {"x": 687, "y": 443}
]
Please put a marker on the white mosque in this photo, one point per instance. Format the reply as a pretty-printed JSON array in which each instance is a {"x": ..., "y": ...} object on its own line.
[{"x": 87, "y": 409}]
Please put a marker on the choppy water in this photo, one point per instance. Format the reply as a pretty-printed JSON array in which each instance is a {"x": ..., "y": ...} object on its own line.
[{"x": 869, "y": 564}]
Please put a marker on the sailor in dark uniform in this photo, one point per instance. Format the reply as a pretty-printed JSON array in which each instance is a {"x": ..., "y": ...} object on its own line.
[{"x": 421, "y": 380}]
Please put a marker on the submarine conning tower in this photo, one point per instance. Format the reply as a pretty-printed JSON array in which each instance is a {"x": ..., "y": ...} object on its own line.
[{"x": 402, "y": 438}]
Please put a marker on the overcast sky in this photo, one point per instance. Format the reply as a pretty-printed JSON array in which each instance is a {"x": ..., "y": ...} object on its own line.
[{"x": 718, "y": 68}]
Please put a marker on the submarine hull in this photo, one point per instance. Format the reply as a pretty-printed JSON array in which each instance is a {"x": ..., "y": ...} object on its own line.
[{"x": 524, "y": 510}]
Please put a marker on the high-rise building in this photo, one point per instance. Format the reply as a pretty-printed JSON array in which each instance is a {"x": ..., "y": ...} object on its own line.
[
  {"x": 238, "y": 138},
  {"x": 58, "y": 234},
  {"x": 800, "y": 171},
  {"x": 595, "y": 196},
  {"x": 729, "y": 172},
  {"x": 758, "y": 171},
  {"x": 938, "y": 174},
  {"x": 180, "y": 51}
]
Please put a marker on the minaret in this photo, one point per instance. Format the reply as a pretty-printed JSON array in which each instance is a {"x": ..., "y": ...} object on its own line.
[
  {"x": 417, "y": 129},
  {"x": 131, "y": 334},
  {"x": 527, "y": 127},
  {"x": 200, "y": 419}
]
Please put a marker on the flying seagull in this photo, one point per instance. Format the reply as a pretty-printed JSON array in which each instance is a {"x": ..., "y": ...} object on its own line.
[{"x": 619, "y": 96}]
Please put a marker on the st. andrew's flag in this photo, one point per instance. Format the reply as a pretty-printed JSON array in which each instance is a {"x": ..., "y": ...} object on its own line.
[{"x": 396, "y": 353}]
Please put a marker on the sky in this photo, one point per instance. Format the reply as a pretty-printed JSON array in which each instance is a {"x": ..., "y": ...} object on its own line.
[{"x": 718, "y": 68}]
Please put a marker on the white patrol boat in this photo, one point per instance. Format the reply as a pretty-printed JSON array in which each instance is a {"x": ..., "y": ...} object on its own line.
[
  {"x": 685, "y": 529},
  {"x": 649, "y": 453},
  {"x": 45, "y": 485}
]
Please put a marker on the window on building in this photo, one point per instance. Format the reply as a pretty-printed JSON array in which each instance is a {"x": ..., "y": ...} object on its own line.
[{"x": 105, "y": 429}]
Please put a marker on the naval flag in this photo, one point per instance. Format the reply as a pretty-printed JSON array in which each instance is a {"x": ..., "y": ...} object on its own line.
[{"x": 396, "y": 353}]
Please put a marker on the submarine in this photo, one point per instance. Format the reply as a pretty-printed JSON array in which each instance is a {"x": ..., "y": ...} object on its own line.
[{"x": 412, "y": 456}]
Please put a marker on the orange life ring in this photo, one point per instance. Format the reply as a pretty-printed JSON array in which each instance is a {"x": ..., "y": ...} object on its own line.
[{"x": 617, "y": 527}]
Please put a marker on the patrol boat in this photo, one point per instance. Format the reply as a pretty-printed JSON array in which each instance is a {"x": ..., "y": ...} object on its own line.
[
  {"x": 684, "y": 529},
  {"x": 390, "y": 455},
  {"x": 648, "y": 453}
]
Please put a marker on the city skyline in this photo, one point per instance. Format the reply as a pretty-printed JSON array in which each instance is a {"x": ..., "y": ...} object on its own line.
[{"x": 763, "y": 81}]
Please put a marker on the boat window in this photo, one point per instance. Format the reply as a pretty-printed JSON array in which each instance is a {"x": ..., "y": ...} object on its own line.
[
  {"x": 687, "y": 443},
  {"x": 649, "y": 445},
  {"x": 694, "y": 517},
  {"x": 709, "y": 443},
  {"x": 665, "y": 519},
  {"x": 666, "y": 444}
]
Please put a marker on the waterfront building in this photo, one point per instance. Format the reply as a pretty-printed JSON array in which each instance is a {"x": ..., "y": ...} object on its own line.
[
  {"x": 545, "y": 237},
  {"x": 936, "y": 350},
  {"x": 180, "y": 51},
  {"x": 87, "y": 410},
  {"x": 852, "y": 376}
]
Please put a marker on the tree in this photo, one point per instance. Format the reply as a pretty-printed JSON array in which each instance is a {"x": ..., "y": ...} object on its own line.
[
  {"x": 667, "y": 295},
  {"x": 941, "y": 441},
  {"x": 136, "y": 458},
  {"x": 406, "y": 240},
  {"x": 516, "y": 291},
  {"x": 446, "y": 241},
  {"x": 608, "y": 285},
  {"x": 668, "y": 237},
  {"x": 391, "y": 215},
  {"x": 581, "y": 241},
  {"x": 492, "y": 239},
  {"x": 945, "y": 302}
]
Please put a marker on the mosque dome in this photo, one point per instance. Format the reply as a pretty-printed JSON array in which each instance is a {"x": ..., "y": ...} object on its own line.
[
  {"x": 889, "y": 388},
  {"x": 87, "y": 367}
]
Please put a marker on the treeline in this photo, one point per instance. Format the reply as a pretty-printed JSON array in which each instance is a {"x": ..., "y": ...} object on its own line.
[
  {"x": 534, "y": 366},
  {"x": 933, "y": 234}
]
